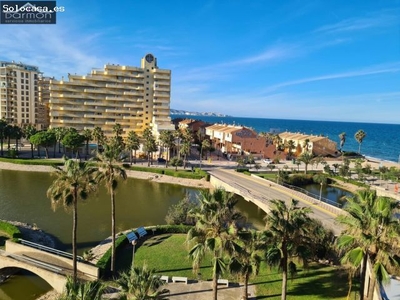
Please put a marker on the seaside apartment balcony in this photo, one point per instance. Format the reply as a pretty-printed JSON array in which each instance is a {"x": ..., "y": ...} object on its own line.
[
  {"x": 116, "y": 86},
  {"x": 140, "y": 81},
  {"x": 133, "y": 105},
  {"x": 95, "y": 115},
  {"x": 164, "y": 71},
  {"x": 131, "y": 118},
  {"x": 159, "y": 76},
  {"x": 96, "y": 103},
  {"x": 161, "y": 101},
  {"x": 133, "y": 93},
  {"x": 115, "y": 110},
  {"x": 162, "y": 89}
]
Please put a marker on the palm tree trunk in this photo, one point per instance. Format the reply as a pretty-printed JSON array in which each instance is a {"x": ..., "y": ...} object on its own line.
[
  {"x": 284, "y": 272},
  {"x": 74, "y": 231},
  {"x": 134, "y": 161},
  {"x": 215, "y": 287},
  {"x": 246, "y": 283},
  {"x": 32, "y": 150},
  {"x": 363, "y": 275},
  {"x": 47, "y": 152},
  {"x": 112, "y": 232}
]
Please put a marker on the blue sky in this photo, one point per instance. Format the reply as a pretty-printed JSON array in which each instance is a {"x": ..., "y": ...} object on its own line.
[{"x": 313, "y": 60}]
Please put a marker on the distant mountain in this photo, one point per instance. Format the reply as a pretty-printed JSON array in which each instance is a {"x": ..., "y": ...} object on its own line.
[{"x": 192, "y": 113}]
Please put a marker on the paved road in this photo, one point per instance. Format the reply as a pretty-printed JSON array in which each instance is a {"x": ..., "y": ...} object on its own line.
[{"x": 264, "y": 191}]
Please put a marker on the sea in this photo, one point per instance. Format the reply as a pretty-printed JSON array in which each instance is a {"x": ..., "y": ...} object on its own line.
[{"x": 382, "y": 141}]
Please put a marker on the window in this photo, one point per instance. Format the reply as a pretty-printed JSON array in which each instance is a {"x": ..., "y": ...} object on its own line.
[
  {"x": 26, "y": 81},
  {"x": 27, "y": 87},
  {"x": 22, "y": 92},
  {"x": 26, "y": 75},
  {"x": 22, "y": 81}
]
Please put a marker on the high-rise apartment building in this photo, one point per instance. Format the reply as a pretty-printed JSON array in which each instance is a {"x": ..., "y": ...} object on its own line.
[
  {"x": 134, "y": 97},
  {"x": 19, "y": 93}
]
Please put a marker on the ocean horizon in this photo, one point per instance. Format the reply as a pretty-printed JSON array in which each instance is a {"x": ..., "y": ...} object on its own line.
[{"x": 381, "y": 142}]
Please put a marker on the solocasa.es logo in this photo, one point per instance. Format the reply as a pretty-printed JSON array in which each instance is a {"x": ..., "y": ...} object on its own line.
[{"x": 28, "y": 12}]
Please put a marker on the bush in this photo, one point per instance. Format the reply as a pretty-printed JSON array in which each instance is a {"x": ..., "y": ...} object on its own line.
[
  {"x": 178, "y": 213},
  {"x": 10, "y": 230},
  {"x": 300, "y": 179},
  {"x": 242, "y": 170},
  {"x": 104, "y": 262}
]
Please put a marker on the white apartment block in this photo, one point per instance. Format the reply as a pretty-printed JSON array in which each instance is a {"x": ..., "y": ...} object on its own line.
[
  {"x": 135, "y": 97},
  {"x": 19, "y": 93}
]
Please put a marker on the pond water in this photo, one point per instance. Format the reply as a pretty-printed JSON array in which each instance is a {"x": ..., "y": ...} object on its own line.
[
  {"x": 334, "y": 194},
  {"x": 138, "y": 203}
]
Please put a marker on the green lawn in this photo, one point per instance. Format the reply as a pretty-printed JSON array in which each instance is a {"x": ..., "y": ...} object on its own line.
[{"x": 168, "y": 254}]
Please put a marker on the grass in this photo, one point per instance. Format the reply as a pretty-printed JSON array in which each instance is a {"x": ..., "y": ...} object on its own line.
[{"x": 168, "y": 254}]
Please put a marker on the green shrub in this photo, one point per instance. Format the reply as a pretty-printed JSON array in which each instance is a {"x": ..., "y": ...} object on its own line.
[
  {"x": 10, "y": 230},
  {"x": 242, "y": 170},
  {"x": 300, "y": 179},
  {"x": 33, "y": 162},
  {"x": 104, "y": 262}
]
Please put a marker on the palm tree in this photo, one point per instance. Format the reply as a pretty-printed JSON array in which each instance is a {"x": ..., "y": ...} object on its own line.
[
  {"x": 142, "y": 284},
  {"x": 359, "y": 136},
  {"x": 18, "y": 134},
  {"x": 306, "y": 144},
  {"x": 342, "y": 137},
  {"x": 371, "y": 233},
  {"x": 59, "y": 133},
  {"x": 306, "y": 158},
  {"x": 87, "y": 134},
  {"x": 185, "y": 151},
  {"x": 132, "y": 142},
  {"x": 215, "y": 226},
  {"x": 290, "y": 146},
  {"x": 3, "y": 125},
  {"x": 92, "y": 290},
  {"x": 72, "y": 183},
  {"x": 149, "y": 144},
  {"x": 246, "y": 259},
  {"x": 109, "y": 172},
  {"x": 29, "y": 130},
  {"x": 98, "y": 136},
  {"x": 287, "y": 225},
  {"x": 167, "y": 140},
  {"x": 322, "y": 179}
]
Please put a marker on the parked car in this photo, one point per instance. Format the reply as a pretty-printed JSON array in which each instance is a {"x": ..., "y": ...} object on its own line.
[
  {"x": 161, "y": 160},
  {"x": 267, "y": 161}
]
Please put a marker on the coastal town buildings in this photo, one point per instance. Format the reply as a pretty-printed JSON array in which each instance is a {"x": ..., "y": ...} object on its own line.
[
  {"x": 134, "y": 97},
  {"x": 19, "y": 99},
  {"x": 317, "y": 145}
]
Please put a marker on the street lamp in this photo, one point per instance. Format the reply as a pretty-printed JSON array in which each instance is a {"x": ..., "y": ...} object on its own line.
[{"x": 134, "y": 242}]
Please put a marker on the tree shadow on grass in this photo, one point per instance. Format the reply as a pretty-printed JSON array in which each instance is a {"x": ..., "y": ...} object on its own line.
[{"x": 326, "y": 285}]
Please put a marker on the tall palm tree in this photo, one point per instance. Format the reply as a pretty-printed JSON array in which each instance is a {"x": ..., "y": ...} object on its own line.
[
  {"x": 109, "y": 173},
  {"x": 142, "y": 284},
  {"x": 3, "y": 125},
  {"x": 98, "y": 136},
  {"x": 205, "y": 146},
  {"x": 306, "y": 158},
  {"x": 322, "y": 179},
  {"x": 372, "y": 231},
  {"x": 342, "y": 138},
  {"x": 72, "y": 183},
  {"x": 359, "y": 136},
  {"x": 88, "y": 135},
  {"x": 132, "y": 142},
  {"x": 246, "y": 259},
  {"x": 290, "y": 146},
  {"x": 29, "y": 130},
  {"x": 149, "y": 144},
  {"x": 167, "y": 140},
  {"x": 215, "y": 225},
  {"x": 287, "y": 225}
]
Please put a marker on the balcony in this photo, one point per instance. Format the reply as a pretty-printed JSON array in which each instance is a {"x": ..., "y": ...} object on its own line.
[
  {"x": 140, "y": 81},
  {"x": 158, "y": 76}
]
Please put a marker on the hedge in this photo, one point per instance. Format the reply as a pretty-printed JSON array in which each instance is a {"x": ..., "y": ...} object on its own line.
[
  {"x": 196, "y": 174},
  {"x": 10, "y": 230},
  {"x": 104, "y": 262},
  {"x": 36, "y": 162}
]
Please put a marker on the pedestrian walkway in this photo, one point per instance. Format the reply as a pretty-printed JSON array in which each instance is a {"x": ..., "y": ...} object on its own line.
[{"x": 202, "y": 290}]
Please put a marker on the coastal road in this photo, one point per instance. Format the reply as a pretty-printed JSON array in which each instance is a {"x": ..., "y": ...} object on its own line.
[{"x": 265, "y": 191}]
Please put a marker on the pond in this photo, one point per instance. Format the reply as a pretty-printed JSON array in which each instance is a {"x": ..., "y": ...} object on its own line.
[
  {"x": 333, "y": 194},
  {"x": 138, "y": 203}
]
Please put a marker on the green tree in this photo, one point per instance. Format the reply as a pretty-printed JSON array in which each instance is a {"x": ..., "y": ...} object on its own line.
[
  {"x": 205, "y": 146},
  {"x": 132, "y": 142},
  {"x": 287, "y": 226},
  {"x": 214, "y": 231},
  {"x": 3, "y": 125},
  {"x": 29, "y": 130},
  {"x": 59, "y": 132},
  {"x": 98, "y": 136},
  {"x": 88, "y": 135},
  {"x": 73, "y": 140},
  {"x": 290, "y": 146},
  {"x": 372, "y": 232},
  {"x": 176, "y": 162},
  {"x": 43, "y": 139},
  {"x": 322, "y": 179},
  {"x": 18, "y": 134},
  {"x": 246, "y": 259},
  {"x": 72, "y": 183},
  {"x": 306, "y": 158},
  {"x": 142, "y": 284},
  {"x": 109, "y": 173},
  {"x": 360, "y": 136},
  {"x": 167, "y": 140},
  {"x": 149, "y": 144}
]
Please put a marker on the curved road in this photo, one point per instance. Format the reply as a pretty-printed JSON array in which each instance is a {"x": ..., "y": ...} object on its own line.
[{"x": 264, "y": 191}]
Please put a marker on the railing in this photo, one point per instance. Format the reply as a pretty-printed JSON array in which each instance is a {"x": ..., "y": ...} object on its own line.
[
  {"x": 49, "y": 249},
  {"x": 303, "y": 191}
]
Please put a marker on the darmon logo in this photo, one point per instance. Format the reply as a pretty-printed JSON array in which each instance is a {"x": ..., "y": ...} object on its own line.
[{"x": 32, "y": 12}]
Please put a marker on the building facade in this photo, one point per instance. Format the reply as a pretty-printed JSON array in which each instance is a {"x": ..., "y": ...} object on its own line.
[
  {"x": 19, "y": 98},
  {"x": 134, "y": 97}
]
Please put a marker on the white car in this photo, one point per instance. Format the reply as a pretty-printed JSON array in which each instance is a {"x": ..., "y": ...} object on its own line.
[{"x": 267, "y": 161}]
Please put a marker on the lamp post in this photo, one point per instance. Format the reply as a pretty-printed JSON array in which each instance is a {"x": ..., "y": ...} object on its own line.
[{"x": 133, "y": 253}]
